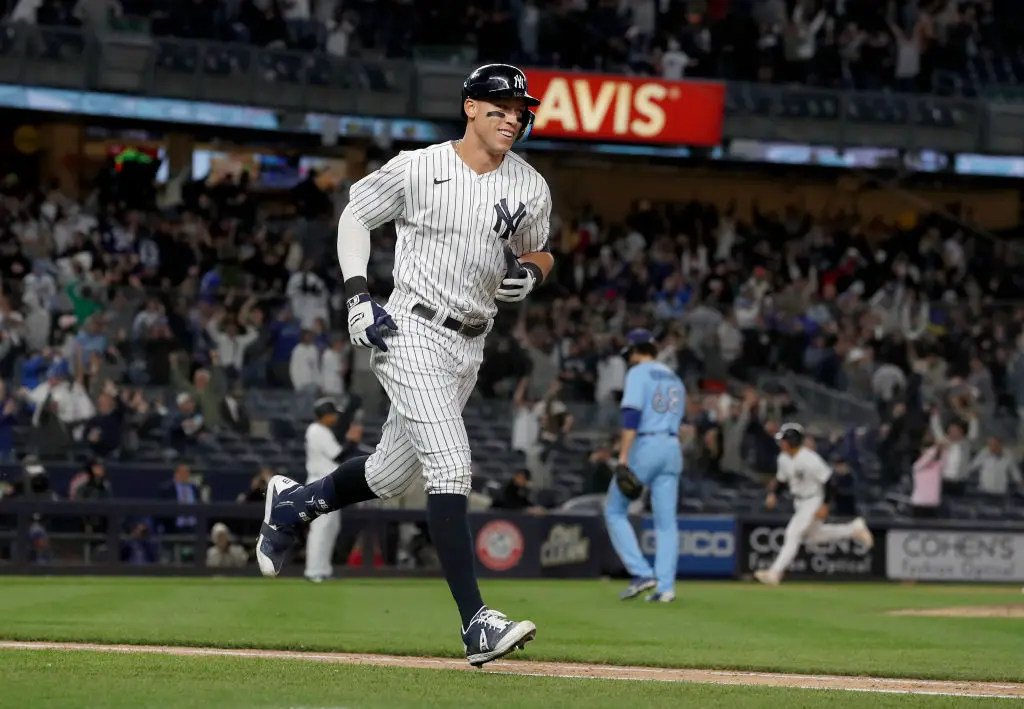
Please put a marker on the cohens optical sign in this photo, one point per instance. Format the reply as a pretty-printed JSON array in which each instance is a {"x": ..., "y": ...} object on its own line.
[{"x": 627, "y": 109}]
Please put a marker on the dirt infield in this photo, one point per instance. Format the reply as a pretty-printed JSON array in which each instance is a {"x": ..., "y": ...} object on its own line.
[
  {"x": 580, "y": 671},
  {"x": 1016, "y": 611}
]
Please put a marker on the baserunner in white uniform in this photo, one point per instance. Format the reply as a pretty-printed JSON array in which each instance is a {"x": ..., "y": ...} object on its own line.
[
  {"x": 807, "y": 475},
  {"x": 473, "y": 222}
]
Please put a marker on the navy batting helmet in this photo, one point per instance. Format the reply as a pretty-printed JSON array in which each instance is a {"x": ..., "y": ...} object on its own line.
[
  {"x": 324, "y": 406},
  {"x": 495, "y": 81},
  {"x": 791, "y": 433}
]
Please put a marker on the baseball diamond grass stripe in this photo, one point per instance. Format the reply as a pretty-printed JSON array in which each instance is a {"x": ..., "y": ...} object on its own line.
[
  {"x": 82, "y": 680},
  {"x": 795, "y": 628}
]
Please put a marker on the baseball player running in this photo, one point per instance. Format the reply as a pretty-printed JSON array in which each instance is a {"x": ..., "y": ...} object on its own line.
[
  {"x": 807, "y": 475},
  {"x": 653, "y": 406},
  {"x": 472, "y": 221},
  {"x": 323, "y": 454}
]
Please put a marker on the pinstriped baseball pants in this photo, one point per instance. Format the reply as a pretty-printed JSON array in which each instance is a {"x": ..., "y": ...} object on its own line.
[{"x": 428, "y": 373}]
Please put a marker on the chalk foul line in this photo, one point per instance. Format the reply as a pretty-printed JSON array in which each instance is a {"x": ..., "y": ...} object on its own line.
[{"x": 527, "y": 668}]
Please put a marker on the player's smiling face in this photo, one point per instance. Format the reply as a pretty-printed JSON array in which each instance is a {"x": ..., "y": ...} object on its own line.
[{"x": 497, "y": 123}]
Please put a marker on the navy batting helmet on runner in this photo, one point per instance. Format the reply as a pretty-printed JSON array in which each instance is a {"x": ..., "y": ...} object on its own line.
[
  {"x": 791, "y": 433},
  {"x": 497, "y": 81},
  {"x": 324, "y": 406}
]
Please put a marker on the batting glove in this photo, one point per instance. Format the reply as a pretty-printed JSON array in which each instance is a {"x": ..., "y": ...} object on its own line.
[
  {"x": 368, "y": 322},
  {"x": 513, "y": 290},
  {"x": 518, "y": 281}
]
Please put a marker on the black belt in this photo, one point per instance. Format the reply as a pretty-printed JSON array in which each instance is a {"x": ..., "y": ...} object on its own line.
[
  {"x": 657, "y": 433},
  {"x": 428, "y": 313}
]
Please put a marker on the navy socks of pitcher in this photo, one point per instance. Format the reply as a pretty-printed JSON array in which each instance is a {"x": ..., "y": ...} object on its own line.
[{"x": 289, "y": 504}]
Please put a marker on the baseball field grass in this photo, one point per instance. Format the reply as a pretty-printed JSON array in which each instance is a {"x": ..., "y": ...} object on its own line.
[{"x": 811, "y": 630}]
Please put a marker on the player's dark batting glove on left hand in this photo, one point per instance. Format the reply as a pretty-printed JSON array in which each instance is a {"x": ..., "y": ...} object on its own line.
[
  {"x": 368, "y": 322},
  {"x": 629, "y": 484},
  {"x": 518, "y": 281}
]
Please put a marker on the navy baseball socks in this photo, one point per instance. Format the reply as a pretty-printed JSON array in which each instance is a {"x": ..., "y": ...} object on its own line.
[
  {"x": 289, "y": 504},
  {"x": 486, "y": 634},
  {"x": 448, "y": 522}
]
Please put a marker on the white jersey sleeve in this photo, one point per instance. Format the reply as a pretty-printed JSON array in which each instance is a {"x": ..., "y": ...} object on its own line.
[
  {"x": 380, "y": 197},
  {"x": 538, "y": 229}
]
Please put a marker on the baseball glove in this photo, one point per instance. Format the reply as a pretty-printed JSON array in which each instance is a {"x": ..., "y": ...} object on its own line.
[
  {"x": 822, "y": 512},
  {"x": 629, "y": 484}
]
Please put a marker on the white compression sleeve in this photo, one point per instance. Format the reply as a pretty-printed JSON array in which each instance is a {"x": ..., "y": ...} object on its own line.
[{"x": 353, "y": 247}]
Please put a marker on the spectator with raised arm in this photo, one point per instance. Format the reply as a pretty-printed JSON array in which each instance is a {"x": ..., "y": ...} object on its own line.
[
  {"x": 957, "y": 438},
  {"x": 206, "y": 389},
  {"x": 308, "y": 295},
  {"x": 230, "y": 339},
  {"x": 997, "y": 469},
  {"x": 926, "y": 496}
]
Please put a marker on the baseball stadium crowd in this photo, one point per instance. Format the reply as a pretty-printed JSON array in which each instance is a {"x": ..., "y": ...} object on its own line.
[
  {"x": 950, "y": 46},
  {"x": 216, "y": 298}
]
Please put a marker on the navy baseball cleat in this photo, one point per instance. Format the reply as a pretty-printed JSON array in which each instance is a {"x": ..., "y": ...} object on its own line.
[
  {"x": 278, "y": 532},
  {"x": 636, "y": 587},
  {"x": 491, "y": 635},
  {"x": 666, "y": 597}
]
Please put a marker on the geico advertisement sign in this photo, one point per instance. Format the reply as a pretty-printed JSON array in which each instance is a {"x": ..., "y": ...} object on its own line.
[
  {"x": 839, "y": 558},
  {"x": 623, "y": 108},
  {"x": 701, "y": 544},
  {"x": 931, "y": 555}
]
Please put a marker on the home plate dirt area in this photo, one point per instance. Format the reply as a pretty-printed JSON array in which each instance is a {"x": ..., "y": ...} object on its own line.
[{"x": 580, "y": 671}]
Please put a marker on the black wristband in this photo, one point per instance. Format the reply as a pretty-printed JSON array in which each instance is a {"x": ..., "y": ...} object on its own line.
[
  {"x": 355, "y": 286},
  {"x": 538, "y": 275},
  {"x": 830, "y": 491}
]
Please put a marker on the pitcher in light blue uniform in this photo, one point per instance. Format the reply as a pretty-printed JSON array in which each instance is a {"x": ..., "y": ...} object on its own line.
[{"x": 653, "y": 406}]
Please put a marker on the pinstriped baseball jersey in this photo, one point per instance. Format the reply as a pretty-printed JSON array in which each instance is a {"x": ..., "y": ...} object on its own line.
[{"x": 452, "y": 223}]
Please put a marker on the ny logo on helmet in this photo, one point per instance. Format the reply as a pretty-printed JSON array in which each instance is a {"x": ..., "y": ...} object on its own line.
[
  {"x": 520, "y": 81},
  {"x": 507, "y": 223}
]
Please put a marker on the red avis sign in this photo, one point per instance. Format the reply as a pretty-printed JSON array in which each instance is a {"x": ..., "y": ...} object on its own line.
[{"x": 627, "y": 109}]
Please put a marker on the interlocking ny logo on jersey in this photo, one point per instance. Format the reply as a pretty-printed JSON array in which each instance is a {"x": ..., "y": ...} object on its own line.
[{"x": 507, "y": 223}]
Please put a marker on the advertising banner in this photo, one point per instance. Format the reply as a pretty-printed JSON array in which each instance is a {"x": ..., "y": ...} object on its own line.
[
  {"x": 570, "y": 547},
  {"x": 949, "y": 555},
  {"x": 528, "y": 546},
  {"x": 760, "y": 543},
  {"x": 627, "y": 109},
  {"x": 502, "y": 543},
  {"x": 707, "y": 545}
]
